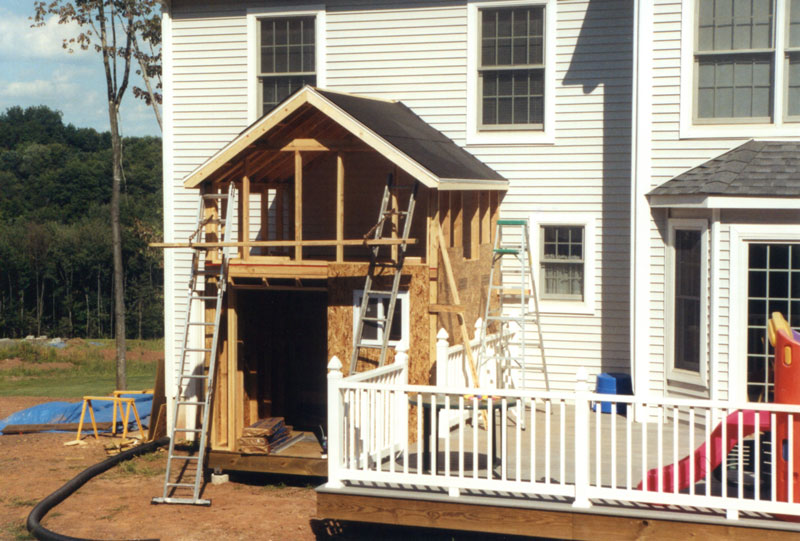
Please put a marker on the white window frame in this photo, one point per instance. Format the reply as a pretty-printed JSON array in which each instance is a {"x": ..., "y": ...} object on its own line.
[
  {"x": 741, "y": 236},
  {"x": 563, "y": 306},
  {"x": 699, "y": 378},
  {"x": 253, "y": 17},
  {"x": 780, "y": 125},
  {"x": 511, "y": 135},
  {"x": 405, "y": 317}
]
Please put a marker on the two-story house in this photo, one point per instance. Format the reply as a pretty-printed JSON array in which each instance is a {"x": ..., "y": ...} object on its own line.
[{"x": 653, "y": 145}]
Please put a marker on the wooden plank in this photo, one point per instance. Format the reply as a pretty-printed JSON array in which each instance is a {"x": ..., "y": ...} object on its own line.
[
  {"x": 456, "y": 220},
  {"x": 245, "y": 221},
  {"x": 298, "y": 204},
  {"x": 280, "y": 196},
  {"x": 339, "y": 206},
  {"x": 47, "y": 427},
  {"x": 474, "y": 224},
  {"x": 287, "y": 243},
  {"x": 159, "y": 399},
  {"x": 265, "y": 214},
  {"x": 394, "y": 206},
  {"x": 292, "y": 465},
  {"x": 445, "y": 308},
  {"x": 454, "y": 292},
  {"x": 521, "y": 521},
  {"x": 485, "y": 218},
  {"x": 445, "y": 218}
]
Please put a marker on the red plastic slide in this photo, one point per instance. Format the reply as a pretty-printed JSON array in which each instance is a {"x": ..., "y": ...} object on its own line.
[{"x": 702, "y": 464}]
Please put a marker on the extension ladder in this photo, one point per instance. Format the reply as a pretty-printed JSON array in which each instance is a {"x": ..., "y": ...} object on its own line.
[
  {"x": 199, "y": 380},
  {"x": 391, "y": 216},
  {"x": 515, "y": 293}
]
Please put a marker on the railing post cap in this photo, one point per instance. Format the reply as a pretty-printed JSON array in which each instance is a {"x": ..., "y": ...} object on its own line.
[
  {"x": 442, "y": 334},
  {"x": 479, "y": 323},
  {"x": 582, "y": 374},
  {"x": 402, "y": 348},
  {"x": 335, "y": 365}
]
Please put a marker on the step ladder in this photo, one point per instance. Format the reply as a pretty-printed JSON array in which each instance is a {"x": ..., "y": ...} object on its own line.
[
  {"x": 518, "y": 305},
  {"x": 395, "y": 219},
  {"x": 189, "y": 465}
]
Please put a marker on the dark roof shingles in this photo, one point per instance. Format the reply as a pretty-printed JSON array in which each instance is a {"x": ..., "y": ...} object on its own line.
[{"x": 756, "y": 168}]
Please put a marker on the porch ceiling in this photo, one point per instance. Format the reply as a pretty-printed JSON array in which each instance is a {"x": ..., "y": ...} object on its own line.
[{"x": 313, "y": 121}]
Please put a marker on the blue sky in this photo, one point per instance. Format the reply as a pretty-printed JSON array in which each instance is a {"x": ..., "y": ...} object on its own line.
[{"x": 36, "y": 70}]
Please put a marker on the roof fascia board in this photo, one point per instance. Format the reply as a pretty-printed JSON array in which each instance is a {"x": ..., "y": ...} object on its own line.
[
  {"x": 243, "y": 140},
  {"x": 704, "y": 201},
  {"x": 450, "y": 184},
  {"x": 373, "y": 140}
]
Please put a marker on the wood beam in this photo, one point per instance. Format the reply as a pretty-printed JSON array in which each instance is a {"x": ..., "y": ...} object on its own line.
[
  {"x": 395, "y": 207},
  {"x": 298, "y": 203},
  {"x": 457, "y": 219},
  {"x": 486, "y": 218},
  {"x": 284, "y": 243},
  {"x": 445, "y": 218},
  {"x": 280, "y": 199},
  {"x": 474, "y": 224},
  {"x": 245, "y": 221},
  {"x": 339, "y": 206},
  {"x": 264, "y": 211}
]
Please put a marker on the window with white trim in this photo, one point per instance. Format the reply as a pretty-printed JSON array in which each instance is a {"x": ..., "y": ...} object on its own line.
[
  {"x": 688, "y": 292},
  {"x": 563, "y": 254},
  {"x": 746, "y": 63},
  {"x": 561, "y": 261},
  {"x": 378, "y": 307},
  {"x": 286, "y": 58},
  {"x": 511, "y": 67}
]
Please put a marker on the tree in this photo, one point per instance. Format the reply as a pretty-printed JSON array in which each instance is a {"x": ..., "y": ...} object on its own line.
[{"x": 109, "y": 26}]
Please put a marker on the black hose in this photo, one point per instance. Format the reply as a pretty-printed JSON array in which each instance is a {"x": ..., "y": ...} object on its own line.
[{"x": 44, "y": 506}]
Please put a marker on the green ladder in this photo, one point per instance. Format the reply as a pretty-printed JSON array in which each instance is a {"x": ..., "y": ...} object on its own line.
[
  {"x": 193, "y": 377},
  {"x": 513, "y": 265},
  {"x": 376, "y": 263}
]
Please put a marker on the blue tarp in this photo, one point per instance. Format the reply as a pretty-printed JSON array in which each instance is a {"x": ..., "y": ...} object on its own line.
[{"x": 70, "y": 412}]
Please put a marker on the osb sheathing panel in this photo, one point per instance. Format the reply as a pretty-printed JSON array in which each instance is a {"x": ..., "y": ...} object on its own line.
[
  {"x": 472, "y": 280},
  {"x": 345, "y": 278}
]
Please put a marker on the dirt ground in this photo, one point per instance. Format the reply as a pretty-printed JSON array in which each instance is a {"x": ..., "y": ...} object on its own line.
[{"x": 116, "y": 504}]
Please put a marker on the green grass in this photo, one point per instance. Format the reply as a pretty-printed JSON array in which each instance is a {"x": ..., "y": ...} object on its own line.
[
  {"x": 90, "y": 373},
  {"x": 18, "y": 531},
  {"x": 19, "y": 502},
  {"x": 148, "y": 465}
]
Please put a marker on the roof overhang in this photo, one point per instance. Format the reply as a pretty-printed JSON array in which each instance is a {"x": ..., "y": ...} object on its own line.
[
  {"x": 308, "y": 95},
  {"x": 707, "y": 201}
]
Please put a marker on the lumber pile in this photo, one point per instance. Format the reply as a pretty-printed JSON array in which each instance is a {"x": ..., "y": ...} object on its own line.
[{"x": 264, "y": 436}]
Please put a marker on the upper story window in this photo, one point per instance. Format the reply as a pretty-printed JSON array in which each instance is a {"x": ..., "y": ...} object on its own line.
[
  {"x": 511, "y": 68},
  {"x": 286, "y": 59},
  {"x": 511, "y": 76},
  {"x": 746, "y": 61}
]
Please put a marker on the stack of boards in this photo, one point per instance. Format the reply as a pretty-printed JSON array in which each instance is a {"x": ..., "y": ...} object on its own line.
[{"x": 264, "y": 436}]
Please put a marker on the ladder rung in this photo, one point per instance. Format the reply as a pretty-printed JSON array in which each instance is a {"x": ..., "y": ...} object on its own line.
[
  {"x": 194, "y": 376},
  {"x": 204, "y": 297},
  {"x": 198, "y": 350},
  {"x": 184, "y": 457},
  {"x": 215, "y": 196},
  {"x": 513, "y": 251},
  {"x": 512, "y": 222},
  {"x": 375, "y": 319},
  {"x": 377, "y": 292},
  {"x": 204, "y": 323},
  {"x": 363, "y": 345},
  {"x": 186, "y": 501},
  {"x": 190, "y": 403},
  {"x": 188, "y": 430}
]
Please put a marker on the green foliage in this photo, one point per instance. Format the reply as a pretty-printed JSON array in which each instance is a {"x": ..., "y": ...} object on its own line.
[{"x": 55, "y": 239}]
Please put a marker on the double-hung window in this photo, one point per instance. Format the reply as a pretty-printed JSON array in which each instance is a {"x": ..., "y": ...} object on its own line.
[
  {"x": 286, "y": 58},
  {"x": 511, "y": 71},
  {"x": 562, "y": 262},
  {"x": 746, "y": 57}
]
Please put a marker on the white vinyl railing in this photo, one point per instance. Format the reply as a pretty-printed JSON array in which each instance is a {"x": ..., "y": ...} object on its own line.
[
  {"x": 452, "y": 368},
  {"x": 580, "y": 444}
]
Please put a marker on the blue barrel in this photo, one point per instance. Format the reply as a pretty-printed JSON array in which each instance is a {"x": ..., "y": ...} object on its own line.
[{"x": 613, "y": 383}]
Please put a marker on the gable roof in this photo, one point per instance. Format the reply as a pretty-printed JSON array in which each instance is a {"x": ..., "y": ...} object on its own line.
[
  {"x": 388, "y": 127},
  {"x": 754, "y": 169}
]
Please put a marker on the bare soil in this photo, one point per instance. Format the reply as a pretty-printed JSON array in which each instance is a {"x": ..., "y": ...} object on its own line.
[{"x": 116, "y": 504}]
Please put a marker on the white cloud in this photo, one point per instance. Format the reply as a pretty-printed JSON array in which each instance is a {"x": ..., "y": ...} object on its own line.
[{"x": 19, "y": 41}]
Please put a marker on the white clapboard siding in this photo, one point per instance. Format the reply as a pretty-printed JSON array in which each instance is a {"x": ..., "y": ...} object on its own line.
[{"x": 417, "y": 53}]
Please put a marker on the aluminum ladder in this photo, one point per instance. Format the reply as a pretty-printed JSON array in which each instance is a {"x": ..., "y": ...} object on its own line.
[
  {"x": 179, "y": 466},
  {"x": 516, "y": 293},
  {"x": 392, "y": 217}
]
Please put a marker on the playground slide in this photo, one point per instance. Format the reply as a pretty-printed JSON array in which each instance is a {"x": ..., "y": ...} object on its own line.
[{"x": 704, "y": 464}]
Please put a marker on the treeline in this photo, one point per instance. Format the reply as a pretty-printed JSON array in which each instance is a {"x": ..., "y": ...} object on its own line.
[{"x": 55, "y": 229}]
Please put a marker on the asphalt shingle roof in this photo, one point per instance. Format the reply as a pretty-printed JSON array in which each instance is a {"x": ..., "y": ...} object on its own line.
[{"x": 756, "y": 168}]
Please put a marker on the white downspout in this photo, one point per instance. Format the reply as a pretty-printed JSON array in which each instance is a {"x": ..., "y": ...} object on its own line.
[{"x": 640, "y": 208}]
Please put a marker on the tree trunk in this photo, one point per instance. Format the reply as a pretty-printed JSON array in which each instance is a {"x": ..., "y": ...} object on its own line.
[{"x": 116, "y": 243}]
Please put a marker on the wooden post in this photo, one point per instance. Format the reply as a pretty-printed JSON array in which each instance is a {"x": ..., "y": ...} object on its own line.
[
  {"x": 457, "y": 218},
  {"x": 444, "y": 216},
  {"x": 395, "y": 207},
  {"x": 246, "y": 209},
  {"x": 486, "y": 218},
  {"x": 235, "y": 377},
  {"x": 265, "y": 215},
  {"x": 339, "y": 206},
  {"x": 494, "y": 213},
  {"x": 298, "y": 203},
  {"x": 474, "y": 225},
  {"x": 280, "y": 234}
]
